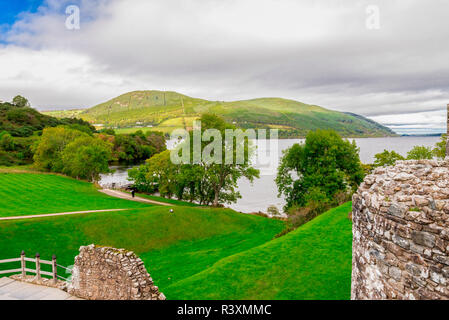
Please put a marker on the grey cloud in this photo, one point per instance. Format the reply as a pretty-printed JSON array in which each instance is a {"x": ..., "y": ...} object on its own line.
[{"x": 318, "y": 52}]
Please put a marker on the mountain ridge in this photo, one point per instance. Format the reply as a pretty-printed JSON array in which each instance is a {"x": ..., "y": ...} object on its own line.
[{"x": 167, "y": 110}]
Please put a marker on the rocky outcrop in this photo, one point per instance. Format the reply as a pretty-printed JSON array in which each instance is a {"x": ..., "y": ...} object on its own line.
[
  {"x": 401, "y": 232},
  {"x": 103, "y": 273}
]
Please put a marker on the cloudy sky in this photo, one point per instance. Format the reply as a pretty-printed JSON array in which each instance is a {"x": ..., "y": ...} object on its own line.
[{"x": 392, "y": 67}]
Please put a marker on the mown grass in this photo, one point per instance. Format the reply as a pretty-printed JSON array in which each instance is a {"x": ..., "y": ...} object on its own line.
[
  {"x": 192, "y": 253},
  {"x": 173, "y": 246},
  {"x": 30, "y": 194},
  {"x": 313, "y": 262}
]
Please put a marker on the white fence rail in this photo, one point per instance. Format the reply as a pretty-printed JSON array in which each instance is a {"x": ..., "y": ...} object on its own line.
[{"x": 37, "y": 271}]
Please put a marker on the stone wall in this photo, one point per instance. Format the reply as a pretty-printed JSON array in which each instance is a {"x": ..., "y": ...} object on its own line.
[
  {"x": 401, "y": 232},
  {"x": 103, "y": 273}
]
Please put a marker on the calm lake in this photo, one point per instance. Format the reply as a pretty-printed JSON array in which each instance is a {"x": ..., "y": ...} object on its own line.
[{"x": 263, "y": 192}]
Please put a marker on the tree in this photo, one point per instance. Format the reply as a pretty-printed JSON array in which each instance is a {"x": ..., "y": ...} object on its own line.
[
  {"x": 319, "y": 170},
  {"x": 86, "y": 158},
  {"x": 48, "y": 152},
  {"x": 204, "y": 181},
  {"x": 223, "y": 177},
  {"x": 20, "y": 102},
  {"x": 387, "y": 158},
  {"x": 419, "y": 153},
  {"x": 440, "y": 148},
  {"x": 158, "y": 174}
]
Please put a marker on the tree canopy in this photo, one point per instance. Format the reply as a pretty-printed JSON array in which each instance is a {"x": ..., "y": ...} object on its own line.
[
  {"x": 324, "y": 166},
  {"x": 204, "y": 181},
  {"x": 20, "y": 102},
  {"x": 72, "y": 152}
]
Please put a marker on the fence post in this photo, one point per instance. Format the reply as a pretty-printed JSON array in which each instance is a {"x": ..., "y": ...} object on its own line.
[
  {"x": 38, "y": 266},
  {"x": 23, "y": 265},
  {"x": 54, "y": 269}
]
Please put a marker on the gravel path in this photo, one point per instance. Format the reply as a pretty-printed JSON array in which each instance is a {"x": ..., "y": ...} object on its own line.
[
  {"x": 58, "y": 214},
  {"x": 126, "y": 196}
]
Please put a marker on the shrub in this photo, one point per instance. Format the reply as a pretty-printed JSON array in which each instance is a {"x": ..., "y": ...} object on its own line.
[
  {"x": 6, "y": 142},
  {"x": 419, "y": 153},
  {"x": 387, "y": 158}
]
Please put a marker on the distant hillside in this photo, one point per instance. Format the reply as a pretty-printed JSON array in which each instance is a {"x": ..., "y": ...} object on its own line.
[
  {"x": 166, "y": 111},
  {"x": 25, "y": 121}
]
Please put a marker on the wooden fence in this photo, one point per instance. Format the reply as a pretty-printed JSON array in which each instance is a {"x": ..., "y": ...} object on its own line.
[{"x": 37, "y": 271}]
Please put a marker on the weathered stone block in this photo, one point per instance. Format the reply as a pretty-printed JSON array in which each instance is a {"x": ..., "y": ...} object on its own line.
[{"x": 423, "y": 238}]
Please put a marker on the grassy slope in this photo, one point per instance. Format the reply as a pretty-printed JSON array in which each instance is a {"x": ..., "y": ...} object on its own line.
[
  {"x": 25, "y": 194},
  {"x": 173, "y": 246},
  {"x": 313, "y": 262},
  {"x": 169, "y": 110},
  {"x": 195, "y": 253}
]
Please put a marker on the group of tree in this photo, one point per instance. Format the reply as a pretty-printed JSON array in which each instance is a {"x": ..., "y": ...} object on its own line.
[
  {"x": 134, "y": 147},
  {"x": 318, "y": 174},
  {"x": 22, "y": 132},
  {"x": 20, "y": 128},
  {"x": 205, "y": 182},
  {"x": 72, "y": 152},
  {"x": 85, "y": 155}
]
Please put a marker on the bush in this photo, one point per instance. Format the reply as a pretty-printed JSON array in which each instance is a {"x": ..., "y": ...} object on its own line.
[
  {"x": 419, "y": 153},
  {"x": 273, "y": 211},
  {"x": 387, "y": 158},
  {"x": 6, "y": 142}
]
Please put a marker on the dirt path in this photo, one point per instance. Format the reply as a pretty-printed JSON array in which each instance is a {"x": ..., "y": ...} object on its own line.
[
  {"x": 126, "y": 196},
  {"x": 59, "y": 214}
]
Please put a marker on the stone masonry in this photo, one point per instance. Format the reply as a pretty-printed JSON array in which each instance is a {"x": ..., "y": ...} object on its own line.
[
  {"x": 103, "y": 273},
  {"x": 401, "y": 232}
]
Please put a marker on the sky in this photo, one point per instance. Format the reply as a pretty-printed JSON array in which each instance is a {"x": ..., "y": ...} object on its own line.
[{"x": 384, "y": 59}]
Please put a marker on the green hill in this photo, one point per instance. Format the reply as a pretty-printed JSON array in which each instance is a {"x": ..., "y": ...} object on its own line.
[
  {"x": 166, "y": 111},
  {"x": 22, "y": 126},
  {"x": 25, "y": 121}
]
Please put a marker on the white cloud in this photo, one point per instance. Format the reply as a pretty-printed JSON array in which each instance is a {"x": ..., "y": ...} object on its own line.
[{"x": 316, "y": 51}]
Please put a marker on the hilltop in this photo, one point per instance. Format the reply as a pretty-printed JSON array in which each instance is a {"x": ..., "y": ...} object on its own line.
[
  {"x": 165, "y": 111},
  {"x": 24, "y": 121}
]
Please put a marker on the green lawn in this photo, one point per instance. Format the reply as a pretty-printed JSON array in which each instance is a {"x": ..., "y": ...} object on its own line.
[
  {"x": 26, "y": 194},
  {"x": 193, "y": 253},
  {"x": 173, "y": 246},
  {"x": 313, "y": 262}
]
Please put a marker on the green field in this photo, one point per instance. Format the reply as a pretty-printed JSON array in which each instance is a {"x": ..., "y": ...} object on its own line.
[
  {"x": 173, "y": 246},
  {"x": 166, "y": 111},
  {"x": 30, "y": 194},
  {"x": 193, "y": 253}
]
